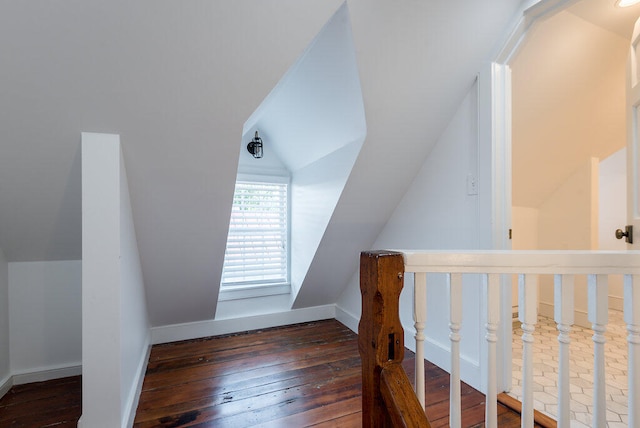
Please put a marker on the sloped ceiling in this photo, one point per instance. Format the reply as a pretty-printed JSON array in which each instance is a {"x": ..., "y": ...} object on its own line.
[
  {"x": 569, "y": 96},
  {"x": 177, "y": 80},
  {"x": 316, "y": 108},
  {"x": 606, "y": 15}
]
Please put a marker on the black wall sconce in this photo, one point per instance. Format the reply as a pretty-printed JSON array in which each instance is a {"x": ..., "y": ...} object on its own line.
[{"x": 255, "y": 146}]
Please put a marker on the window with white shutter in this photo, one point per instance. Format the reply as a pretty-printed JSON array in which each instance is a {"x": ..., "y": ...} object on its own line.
[{"x": 257, "y": 252}]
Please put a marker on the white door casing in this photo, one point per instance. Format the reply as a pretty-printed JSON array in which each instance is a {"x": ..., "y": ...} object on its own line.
[
  {"x": 633, "y": 121},
  {"x": 494, "y": 103},
  {"x": 494, "y": 129}
]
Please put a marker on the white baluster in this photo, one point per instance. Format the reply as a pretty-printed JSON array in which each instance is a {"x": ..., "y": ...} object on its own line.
[
  {"x": 563, "y": 315},
  {"x": 528, "y": 316},
  {"x": 492, "y": 282},
  {"x": 598, "y": 291},
  {"x": 632, "y": 319},
  {"x": 455, "y": 322},
  {"x": 420, "y": 317}
]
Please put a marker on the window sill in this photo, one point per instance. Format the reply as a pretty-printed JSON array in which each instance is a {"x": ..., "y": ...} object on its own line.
[{"x": 251, "y": 291}]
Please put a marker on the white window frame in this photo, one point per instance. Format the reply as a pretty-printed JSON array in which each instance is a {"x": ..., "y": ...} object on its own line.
[{"x": 250, "y": 289}]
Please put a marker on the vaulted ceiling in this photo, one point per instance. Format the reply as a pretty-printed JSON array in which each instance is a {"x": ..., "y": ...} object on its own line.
[
  {"x": 569, "y": 84},
  {"x": 177, "y": 81}
]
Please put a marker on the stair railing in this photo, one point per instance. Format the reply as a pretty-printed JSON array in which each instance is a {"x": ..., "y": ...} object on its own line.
[{"x": 528, "y": 265}]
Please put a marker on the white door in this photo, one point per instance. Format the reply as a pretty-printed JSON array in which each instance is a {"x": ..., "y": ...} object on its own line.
[
  {"x": 633, "y": 145},
  {"x": 612, "y": 214},
  {"x": 612, "y": 200}
]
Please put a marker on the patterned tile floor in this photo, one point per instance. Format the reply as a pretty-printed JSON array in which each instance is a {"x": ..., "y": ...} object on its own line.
[{"x": 545, "y": 370}]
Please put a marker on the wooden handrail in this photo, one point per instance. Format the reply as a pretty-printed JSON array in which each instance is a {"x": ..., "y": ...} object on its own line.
[
  {"x": 400, "y": 398},
  {"x": 387, "y": 397}
]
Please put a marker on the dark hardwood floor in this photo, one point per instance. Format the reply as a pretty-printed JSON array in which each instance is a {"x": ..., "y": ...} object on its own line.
[
  {"x": 295, "y": 376},
  {"x": 54, "y": 403}
]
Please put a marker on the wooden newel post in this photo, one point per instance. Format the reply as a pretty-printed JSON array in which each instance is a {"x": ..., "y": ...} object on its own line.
[{"x": 380, "y": 333}]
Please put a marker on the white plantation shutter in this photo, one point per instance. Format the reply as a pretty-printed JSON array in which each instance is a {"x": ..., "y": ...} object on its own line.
[{"x": 257, "y": 242}]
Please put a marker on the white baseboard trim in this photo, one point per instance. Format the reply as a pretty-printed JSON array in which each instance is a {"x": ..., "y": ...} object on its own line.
[
  {"x": 616, "y": 302},
  {"x": 194, "y": 330},
  {"x": 44, "y": 374},
  {"x": 134, "y": 395},
  {"x": 5, "y": 385},
  {"x": 348, "y": 319},
  {"x": 580, "y": 317},
  {"x": 435, "y": 352},
  {"x": 545, "y": 309}
]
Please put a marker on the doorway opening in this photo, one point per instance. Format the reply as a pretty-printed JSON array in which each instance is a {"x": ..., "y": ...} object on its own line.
[
  {"x": 568, "y": 109},
  {"x": 568, "y": 178}
]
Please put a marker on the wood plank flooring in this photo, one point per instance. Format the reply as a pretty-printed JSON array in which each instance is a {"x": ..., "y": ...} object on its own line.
[
  {"x": 55, "y": 402},
  {"x": 295, "y": 376}
]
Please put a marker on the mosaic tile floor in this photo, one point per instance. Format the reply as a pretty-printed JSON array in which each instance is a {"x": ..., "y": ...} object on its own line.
[{"x": 545, "y": 370}]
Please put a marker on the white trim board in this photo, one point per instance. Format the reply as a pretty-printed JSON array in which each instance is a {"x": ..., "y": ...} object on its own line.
[
  {"x": 348, "y": 319},
  {"x": 581, "y": 317},
  {"x": 531, "y": 13},
  {"x": 5, "y": 385},
  {"x": 38, "y": 376},
  {"x": 46, "y": 374},
  {"x": 194, "y": 330},
  {"x": 435, "y": 352},
  {"x": 134, "y": 396}
]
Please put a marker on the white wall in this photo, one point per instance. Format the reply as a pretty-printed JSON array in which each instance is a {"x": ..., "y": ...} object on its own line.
[
  {"x": 568, "y": 220},
  {"x": 134, "y": 320},
  {"x": 582, "y": 213},
  {"x": 316, "y": 108},
  {"x": 101, "y": 405},
  {"x": 437, "y": 213},
  {"x": 524, "y": 223},
  {"x": 4, "y": 325},
  {"x": 45, "y": 319},
  {"x": 315, "y": 190},
  {"x": 568, "y": 217},
  {"x": 565, "y": 114},
  {"x": 115, "y": 322}
]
